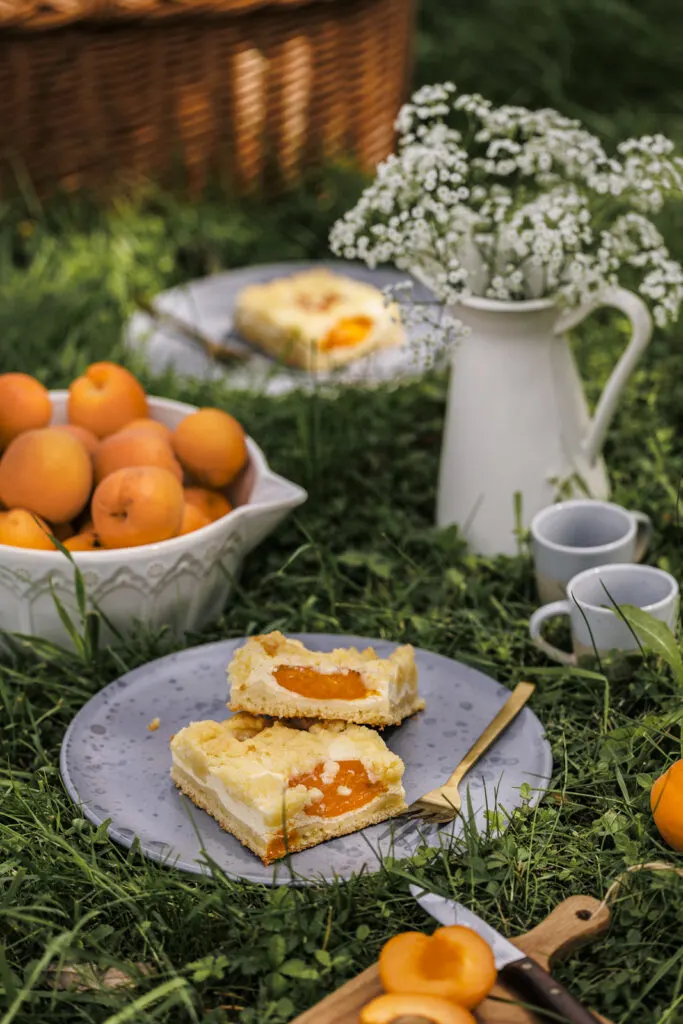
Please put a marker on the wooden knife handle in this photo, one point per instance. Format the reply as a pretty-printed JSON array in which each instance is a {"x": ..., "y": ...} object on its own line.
[{"x": 542, "y": 991}]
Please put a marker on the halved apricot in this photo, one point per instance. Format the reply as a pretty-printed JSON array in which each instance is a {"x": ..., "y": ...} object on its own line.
[
  {"x": 390, "y": 1008},
  {"x": 454, "y": 963}
]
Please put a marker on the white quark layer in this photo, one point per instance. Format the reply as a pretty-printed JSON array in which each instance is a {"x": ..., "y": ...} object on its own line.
[
  {"x": 246, "y": 813},
  {"x": 253, "y": 819}
]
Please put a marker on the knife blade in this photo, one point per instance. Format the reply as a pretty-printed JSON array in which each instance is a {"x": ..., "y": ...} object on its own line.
[{"x": 514, "y": 967}]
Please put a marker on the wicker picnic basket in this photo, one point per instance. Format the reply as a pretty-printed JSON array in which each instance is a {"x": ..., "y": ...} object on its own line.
[{"x": 94, "y": 93}]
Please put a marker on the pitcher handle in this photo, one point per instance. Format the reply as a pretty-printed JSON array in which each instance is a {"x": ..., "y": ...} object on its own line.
[{"x": 641, "y": 322}]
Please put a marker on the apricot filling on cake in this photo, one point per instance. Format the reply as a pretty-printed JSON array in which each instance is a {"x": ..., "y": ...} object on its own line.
[
  {"x": 274, "y": 675},
  {"x": 350, "y": 331},
  {"x": 317, "y": 319},
  {"x": 281, "y": 788},
  {"x": 308, "y": 682},
  {"x": 342, "y": 789}
]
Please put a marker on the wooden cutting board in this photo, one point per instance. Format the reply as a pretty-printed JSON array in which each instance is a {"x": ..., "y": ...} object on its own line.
[{"x": 575, "y": 921}]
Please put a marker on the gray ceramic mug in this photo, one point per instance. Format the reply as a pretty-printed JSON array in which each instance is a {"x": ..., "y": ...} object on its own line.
[
  {"x": 590, "y": 607},
  {"x": 575, "y": 535}
]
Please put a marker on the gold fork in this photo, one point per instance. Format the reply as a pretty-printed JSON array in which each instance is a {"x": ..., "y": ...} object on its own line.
[{"x": 442, "y": 805}]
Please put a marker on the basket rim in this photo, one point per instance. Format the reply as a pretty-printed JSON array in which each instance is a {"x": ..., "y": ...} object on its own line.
[{"x": 41, "y": 15}]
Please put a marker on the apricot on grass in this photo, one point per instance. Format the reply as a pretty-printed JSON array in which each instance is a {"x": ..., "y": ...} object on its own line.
[
  {"x": 211, "y": 445},
  {"x": 24, "y": 405},
  {"x": 666, "y": 801},
  {"x": 19, "y": 529},
  {"x": 47, "y": 472},
  {"x": 86, "y": 437},
  {"x": 134, "y": 448},
  {"x": 193, "y": 519},
  {"x": 213, "y": 504},
  {"x": 137, "y": 505},
  {"x": 105, "y": 399}
]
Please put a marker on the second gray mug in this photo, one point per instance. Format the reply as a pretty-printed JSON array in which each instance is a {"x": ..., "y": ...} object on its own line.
[{"x": 572, "y": 536}]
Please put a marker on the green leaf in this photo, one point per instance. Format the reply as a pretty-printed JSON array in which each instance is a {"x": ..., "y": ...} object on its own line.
[
  {"x": 656, "y": 636},
  {"x": 277, "y": 950},
  {"x": 374, "y": 563},
  {"x": 298, "y": 969}
]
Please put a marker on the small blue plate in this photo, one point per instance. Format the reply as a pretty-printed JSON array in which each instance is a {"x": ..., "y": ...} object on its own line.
[
  {"x": 208, "y": 305},
  {"x": 119, "y": 771}
]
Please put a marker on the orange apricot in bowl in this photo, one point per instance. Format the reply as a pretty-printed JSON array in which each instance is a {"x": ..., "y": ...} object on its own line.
[
  {"x": 86, "y": 437},
  {"x": 453, "y": 963},
  {"x": 211, "y": 445},
  {"x": 134, "y": 448},
  {"x": 666, "y": 802},
  {"x": 105, "y": 399},
  {"x": 87, "y": 540},
  {"x": 137, "y": 505},
  {"x": 24, "y": 405},
  {"x": 151, "y": 426},
  {"x": 193, "y": 519},
  {"x": 213, "y": 504},
  {"x": 48, "y": 472},
  {"x": 22, "y": 529}
]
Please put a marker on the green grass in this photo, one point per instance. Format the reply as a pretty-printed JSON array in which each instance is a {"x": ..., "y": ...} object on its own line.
[{"x": 361, "y": 556}]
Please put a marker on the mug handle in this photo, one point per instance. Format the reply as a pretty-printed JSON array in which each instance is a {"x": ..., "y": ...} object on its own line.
[
  {"x": 643, "y": 536},
  {"x": 641, "y": 325},
  {"x": 550, "y": 611}
]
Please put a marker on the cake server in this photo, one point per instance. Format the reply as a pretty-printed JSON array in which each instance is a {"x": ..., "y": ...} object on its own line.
[{"x": 515, "y": 968}]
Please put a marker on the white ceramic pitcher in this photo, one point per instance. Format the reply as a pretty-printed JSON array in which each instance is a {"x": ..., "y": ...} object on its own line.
[{"x": 517, "y": 419}]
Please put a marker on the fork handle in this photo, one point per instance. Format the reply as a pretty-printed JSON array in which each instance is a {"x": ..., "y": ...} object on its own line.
[{"x": 509, "y": 711}]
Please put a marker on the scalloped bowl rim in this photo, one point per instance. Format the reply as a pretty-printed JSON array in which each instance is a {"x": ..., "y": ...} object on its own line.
[{"x": 101, "y": 557}]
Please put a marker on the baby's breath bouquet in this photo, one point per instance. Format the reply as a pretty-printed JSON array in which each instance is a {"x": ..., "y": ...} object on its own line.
[{"x": 513, "y": 204}]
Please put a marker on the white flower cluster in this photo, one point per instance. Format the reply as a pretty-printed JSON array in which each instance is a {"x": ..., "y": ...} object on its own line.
[{"x": 515, "y": 204}]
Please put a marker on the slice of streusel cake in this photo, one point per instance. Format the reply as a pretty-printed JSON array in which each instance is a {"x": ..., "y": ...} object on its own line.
[
  {"x": 273, "y": 675},
  {"x": 280, "y": 787}
]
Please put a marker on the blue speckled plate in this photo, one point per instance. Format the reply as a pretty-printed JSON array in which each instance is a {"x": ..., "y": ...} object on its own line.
[{"x": 119, "y": 770}]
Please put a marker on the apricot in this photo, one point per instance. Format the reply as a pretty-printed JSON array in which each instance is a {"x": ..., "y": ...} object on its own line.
[
  {"x": 105, "y": 399},
  {"x": 388, "y": 1009},
  {"x": 137, "y": 505},
  {"x": 24, "y": 405},
  {"x": 211, "y": 445},
  {"x": 666, "y": 802},
  {"x": 454, "y": 963},
  {"x": 47, "y": 472},
  {"x": 86, "y": 437},
  {"x": 193, "y": 519},
  {"x": 85, "y": 541},
  {"x": 22, "y": 529},
  {"x": 151, "y": 426},
  {"x": 213, "y": 504},
  {"x": 134, "y": 448}
]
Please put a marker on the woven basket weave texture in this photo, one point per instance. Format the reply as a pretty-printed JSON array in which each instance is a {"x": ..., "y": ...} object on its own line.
[{"x": 95, "y": 93}]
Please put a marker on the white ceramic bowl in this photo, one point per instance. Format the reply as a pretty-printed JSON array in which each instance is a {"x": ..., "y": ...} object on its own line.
[{"x": 182, "y": 583}]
